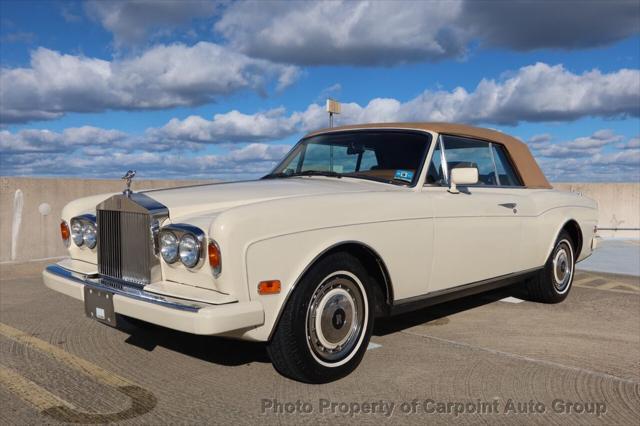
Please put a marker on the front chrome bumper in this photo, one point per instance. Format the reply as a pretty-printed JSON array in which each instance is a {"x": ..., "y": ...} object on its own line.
[{"x": 179, "y": 314}]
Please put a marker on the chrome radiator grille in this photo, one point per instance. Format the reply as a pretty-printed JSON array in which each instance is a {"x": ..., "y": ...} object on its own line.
[
  {"x": 128, "y": 227},
  {"x": 125, "y": 246}
]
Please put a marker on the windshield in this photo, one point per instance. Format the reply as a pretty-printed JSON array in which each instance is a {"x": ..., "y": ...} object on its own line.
[{"x": 388, "y": 156}]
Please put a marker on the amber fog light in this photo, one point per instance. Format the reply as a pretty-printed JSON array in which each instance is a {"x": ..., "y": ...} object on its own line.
[
  {"x": 65, "y": 233},
  {"x": 215, "y": 257}
]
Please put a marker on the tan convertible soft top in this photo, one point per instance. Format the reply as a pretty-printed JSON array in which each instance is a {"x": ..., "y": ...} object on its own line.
[{"x": 528, "y": 169}]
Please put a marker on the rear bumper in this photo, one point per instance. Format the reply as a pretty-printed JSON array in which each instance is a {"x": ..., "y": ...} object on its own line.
[{"x": 179, "y": 314}]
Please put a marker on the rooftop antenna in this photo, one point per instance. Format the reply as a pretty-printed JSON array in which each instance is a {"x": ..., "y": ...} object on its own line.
[{"x": 333, "y": 107}]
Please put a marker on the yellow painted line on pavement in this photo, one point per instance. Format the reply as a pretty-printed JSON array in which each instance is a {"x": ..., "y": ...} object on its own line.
[
  {"x": 611, "y": 285},
  {"x": 29, "y": 391},
  {"x": 142, "y": 401},
  {"x": 587, "y": 280},
  {"x": 82, "y": 365}
]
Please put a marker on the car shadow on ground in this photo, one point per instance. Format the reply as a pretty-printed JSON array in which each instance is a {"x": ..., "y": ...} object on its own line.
[
  {"x": 231, "y": 352},
  {"x": 217, "y": 350},
  {"x": 439, "y": 314}
]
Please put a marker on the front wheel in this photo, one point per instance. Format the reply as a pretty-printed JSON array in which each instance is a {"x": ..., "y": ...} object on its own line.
[
  {"x": 326, "y": 325},
  {"x": 553, "y": 282}
]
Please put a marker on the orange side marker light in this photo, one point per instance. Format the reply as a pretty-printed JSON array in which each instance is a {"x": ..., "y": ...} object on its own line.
[
  {"x": 64, "y": 231},
  {"x": 215, "y": 257},
  {"x": 269, "y": 287}
]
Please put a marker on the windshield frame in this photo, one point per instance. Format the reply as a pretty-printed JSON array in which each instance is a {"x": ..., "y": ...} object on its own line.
[{"x": 419, "y": 170}]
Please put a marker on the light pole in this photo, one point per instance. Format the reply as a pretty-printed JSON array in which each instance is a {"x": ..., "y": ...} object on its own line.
[{"x": 333, "y": 107}]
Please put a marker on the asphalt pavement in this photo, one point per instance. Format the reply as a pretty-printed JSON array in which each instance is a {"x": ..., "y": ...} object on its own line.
[{"x": 492, "y": 358}]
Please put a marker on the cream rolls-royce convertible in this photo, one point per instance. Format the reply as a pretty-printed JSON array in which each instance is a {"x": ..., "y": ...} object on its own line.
[{"x": 355, "y": 223}]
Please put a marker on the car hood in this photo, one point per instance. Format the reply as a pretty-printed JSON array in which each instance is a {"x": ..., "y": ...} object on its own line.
[{"x": 195, "y": 199}]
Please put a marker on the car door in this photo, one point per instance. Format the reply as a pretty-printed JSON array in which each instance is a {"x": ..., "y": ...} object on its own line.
[{"x": 478, "y": 231}]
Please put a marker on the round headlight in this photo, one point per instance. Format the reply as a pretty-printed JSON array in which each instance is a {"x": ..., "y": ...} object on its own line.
[
  {"x": 77, "y": 234},
  {"x": 169, "y": 247},
  {"x": 189, "y": 250},
  {"x": 90, "y": 235}
]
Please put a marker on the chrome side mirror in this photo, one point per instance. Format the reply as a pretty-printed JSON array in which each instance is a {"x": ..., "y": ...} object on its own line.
[{"x": 462, "y": 176}]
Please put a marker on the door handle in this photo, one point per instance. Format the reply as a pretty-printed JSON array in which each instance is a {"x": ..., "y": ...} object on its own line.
[{"x": 510, "y": 206}]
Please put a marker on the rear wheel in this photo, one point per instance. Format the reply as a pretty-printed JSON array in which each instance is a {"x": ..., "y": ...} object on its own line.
[
  {"x": 553, "y": 282},
  {"x": 326, "y": 325}
]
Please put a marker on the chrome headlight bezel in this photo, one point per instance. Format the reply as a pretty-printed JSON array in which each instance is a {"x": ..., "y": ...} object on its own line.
[
  {"x": 189, "y": 250},
  {"x": 90, "y": 235},
  {"x": 84, "y": 231},
  {"x": 169, "y": 246},
  {"x": 77, "y": 232},
  {"x": 190, "y": 235}
]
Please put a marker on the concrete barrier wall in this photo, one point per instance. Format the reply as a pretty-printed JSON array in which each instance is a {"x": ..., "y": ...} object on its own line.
[
  {"x": 618, "y": 206},
  {"x": 30, "y": 209}
]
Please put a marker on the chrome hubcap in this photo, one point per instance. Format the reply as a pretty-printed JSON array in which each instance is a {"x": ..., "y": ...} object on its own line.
[
  {"x": 335, "y": 318},
  {"x": 562, "y": 267}
]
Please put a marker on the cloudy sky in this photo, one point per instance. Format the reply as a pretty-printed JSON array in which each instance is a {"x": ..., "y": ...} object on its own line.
[{"x": 222, "y": 89}]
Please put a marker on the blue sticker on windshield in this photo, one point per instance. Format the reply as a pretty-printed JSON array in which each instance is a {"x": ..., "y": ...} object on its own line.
[{"x": 404, "y": 175}]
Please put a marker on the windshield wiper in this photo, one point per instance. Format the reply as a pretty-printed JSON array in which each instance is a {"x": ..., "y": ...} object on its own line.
[
  {"x": 277, "y": 175},
  {"x": 319, "y": 173},
  {"x": 304, "y": 173}
]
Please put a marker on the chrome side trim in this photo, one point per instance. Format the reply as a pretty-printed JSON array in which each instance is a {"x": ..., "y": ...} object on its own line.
[
  {"x": 495, "y": 167},
  {"x": 445, "y": 295},
  {"x": 125, "y": 289},
  {"x": 443, "y": 161}
]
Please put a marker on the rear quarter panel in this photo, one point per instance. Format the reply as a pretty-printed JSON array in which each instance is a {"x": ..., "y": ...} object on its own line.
[{"x": 553, "y": 210}]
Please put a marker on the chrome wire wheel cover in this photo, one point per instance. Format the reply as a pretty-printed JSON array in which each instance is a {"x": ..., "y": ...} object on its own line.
[
  {"x": 562, "y": 266},
  {"x": 336, "y": 318}
]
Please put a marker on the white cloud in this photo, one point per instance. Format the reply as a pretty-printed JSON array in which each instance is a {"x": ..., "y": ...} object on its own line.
[
  {"x": 232, "y": 126},
  {"x": 537, "y": 92},
  {"x": 259, "y": 152},
  {"x": 68, "y": 12},
  {"x": 105, "y": 153},
  {"x": 344, "y": 32},
  {"x": 96, "y": 152},
  {"x": 601, "y": 167},
  {"x": 586, "y": 146},
  {"x": 330, "y": 91},
  {"x": 392, "y": 32},
  {"x": 162, "y": 77},
  {"x": 566, "y": 24},
  {"x": 33, "y": 140},
  {"x": 539, "y": 139},
  {"x": 371, "y": 32},
  {"x": 633, "y": 143},
  {"x": 133, "y": 21},
  {"x": 534, "y": 93}
]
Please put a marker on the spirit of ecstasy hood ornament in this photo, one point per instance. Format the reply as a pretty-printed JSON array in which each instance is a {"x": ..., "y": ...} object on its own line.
[{"x": 128, "y": 177}]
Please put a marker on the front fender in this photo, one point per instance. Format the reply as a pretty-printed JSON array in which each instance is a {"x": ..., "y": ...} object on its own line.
[{"x": 400, "y": 244}]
